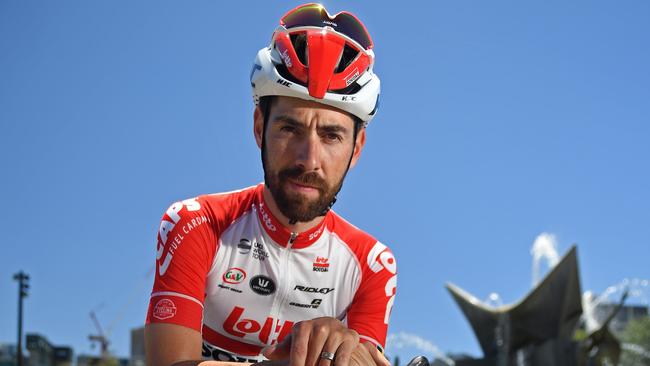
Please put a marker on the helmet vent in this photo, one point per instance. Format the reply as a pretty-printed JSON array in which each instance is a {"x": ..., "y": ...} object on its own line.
[
  {"x": 349, "y": 54},
  {"x": 299, "y": 41}
]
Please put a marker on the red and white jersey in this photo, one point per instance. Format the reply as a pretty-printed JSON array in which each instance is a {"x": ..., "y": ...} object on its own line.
[{"x": 227, "y": 268}]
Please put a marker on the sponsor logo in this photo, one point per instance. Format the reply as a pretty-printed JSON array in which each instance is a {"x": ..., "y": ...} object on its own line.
[
  {"x": 259, "y": 252},
  {"x": 262, "y": 285},
  {"x": 348, "y": 98},
  {"x": 234, "y": 275},
  {"x": 329, "y": 22},
  {"x": 321, "y": 264},
  {"x": 321, "y": 290},
  {"x": 379, "y": 259},
  {"x": 286, "y": 58},
  {"x": 316, "y": 233},
  {"x": 164, "y": 309},
  {"x": 238, "y": 326},
  {"x": 168, "y": 223},
  {"x": 219, "y": 354},
  {"x": 315, "y": 303},
  {"x": 351, "y": 77},
  {"x": 244, "y": 246},
  {"x": 283, "y": 82},
  {"x": 221, "y": 285},
  {"x": 267, "y": 219}
]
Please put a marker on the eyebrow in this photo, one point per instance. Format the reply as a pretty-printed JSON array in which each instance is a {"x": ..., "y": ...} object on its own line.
[{"x": 329, "y": 128}]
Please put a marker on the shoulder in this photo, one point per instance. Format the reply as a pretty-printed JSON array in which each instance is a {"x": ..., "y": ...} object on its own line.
[
  {"x": 368, "y": 250},
  {"x": 219, "y": 208}
]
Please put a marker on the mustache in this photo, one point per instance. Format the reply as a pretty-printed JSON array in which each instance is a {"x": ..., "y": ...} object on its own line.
[{"x": 298, "y": 175}]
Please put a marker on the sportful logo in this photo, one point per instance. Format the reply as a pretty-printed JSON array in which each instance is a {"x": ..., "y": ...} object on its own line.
[
  {"x": 166, "y": 226},
  {"x": 321, "y": 264},
  {"x": 234, "y": 275},
  {"x": 381, "y": 258}
]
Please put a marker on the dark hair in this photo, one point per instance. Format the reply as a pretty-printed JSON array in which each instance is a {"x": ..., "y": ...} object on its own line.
[{"x": 267, "y": 101}]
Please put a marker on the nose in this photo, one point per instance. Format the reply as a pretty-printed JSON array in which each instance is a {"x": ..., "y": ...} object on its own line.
[{"x": 308, "y": 152}]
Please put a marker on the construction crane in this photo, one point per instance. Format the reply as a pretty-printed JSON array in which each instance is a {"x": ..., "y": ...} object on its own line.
[{"x": 100, "y": 337}]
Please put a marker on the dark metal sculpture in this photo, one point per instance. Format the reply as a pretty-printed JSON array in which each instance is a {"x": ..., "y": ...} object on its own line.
[{"x": 539, "y": 330}]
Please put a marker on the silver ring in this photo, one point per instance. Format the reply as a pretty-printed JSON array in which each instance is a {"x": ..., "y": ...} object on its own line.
[{"x": 327, "y": 355}]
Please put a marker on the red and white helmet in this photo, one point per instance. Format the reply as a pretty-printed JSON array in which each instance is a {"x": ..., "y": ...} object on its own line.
[{"x": 319, "y": 57}]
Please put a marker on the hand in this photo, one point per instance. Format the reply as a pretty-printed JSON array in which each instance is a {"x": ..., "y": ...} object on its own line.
[
  {"x": 309, "y": 338},
  {"x": 378, "y": 357}
]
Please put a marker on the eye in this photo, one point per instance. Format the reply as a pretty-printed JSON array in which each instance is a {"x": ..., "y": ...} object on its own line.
[
  {"x": 333, "y": 137},
  {"x": 287, "y": 128}
]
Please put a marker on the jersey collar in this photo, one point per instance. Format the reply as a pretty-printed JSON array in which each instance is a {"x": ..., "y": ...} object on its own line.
[{"x": 281, "y": 234}]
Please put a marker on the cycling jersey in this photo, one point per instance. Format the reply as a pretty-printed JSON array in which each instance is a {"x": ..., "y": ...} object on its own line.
[{"x": 227, "y": 268}]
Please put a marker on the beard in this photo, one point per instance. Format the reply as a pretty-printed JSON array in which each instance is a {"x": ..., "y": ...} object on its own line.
[{"x": 295, "y": 206}]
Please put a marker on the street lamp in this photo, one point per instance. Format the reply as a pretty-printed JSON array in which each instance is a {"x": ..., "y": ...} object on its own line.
[{"x": 23, "y": 286}]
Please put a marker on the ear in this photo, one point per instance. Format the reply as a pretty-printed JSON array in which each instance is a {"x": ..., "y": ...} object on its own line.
[
  {"x": 358, "y": 146},
  {"x": 258, "y": 126}
]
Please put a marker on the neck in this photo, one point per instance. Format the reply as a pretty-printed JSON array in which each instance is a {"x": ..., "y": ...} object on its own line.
[{"x": 298, "y": 227}]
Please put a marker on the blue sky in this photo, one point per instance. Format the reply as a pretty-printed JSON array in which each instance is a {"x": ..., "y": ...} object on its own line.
[{"x": 499, "y": 121}]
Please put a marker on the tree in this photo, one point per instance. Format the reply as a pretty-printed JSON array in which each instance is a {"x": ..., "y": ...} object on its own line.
[{"x": 636, "y": 343}]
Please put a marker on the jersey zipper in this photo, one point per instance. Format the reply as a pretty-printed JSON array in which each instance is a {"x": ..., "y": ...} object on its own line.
[{"x": 283, "y": 285}]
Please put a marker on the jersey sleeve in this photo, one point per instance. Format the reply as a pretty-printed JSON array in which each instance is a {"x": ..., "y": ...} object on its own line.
[
  {"x": 370, "y": 310},
  {"x": 185, "y": 250}
]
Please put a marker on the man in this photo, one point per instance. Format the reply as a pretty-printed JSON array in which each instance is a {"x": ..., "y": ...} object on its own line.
[{"x": 270, "y": 272}]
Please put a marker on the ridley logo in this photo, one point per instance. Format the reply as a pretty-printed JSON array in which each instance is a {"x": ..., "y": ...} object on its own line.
[
  {"x": 164, "y": 309},
  {"x": 321, "y": 264},
  {"x": 322, "y": 290},
  {"x": 234, "y": 275},
  {"x": 238, "y": 327}
]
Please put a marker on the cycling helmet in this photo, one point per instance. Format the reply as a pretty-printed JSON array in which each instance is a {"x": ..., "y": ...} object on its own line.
[{"x": 319, "y": 57}]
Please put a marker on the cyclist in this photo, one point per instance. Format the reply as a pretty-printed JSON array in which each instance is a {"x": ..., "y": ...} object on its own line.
[{"x": 269, "y": 271}]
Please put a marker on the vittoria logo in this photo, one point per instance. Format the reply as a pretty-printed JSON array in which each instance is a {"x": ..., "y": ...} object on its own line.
[
  {"x": 321, "y": 264},
  {"x": 164, "y": 309},
  {"x": 244, "y": 246},
  {"x": 234, "y": 275},
  {"x": 262, "y": 285}
]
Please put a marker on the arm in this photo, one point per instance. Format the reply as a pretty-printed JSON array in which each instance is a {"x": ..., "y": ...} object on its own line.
[
  {"x": 168, "y": 344},
  {"x": 173, "y": 329}
]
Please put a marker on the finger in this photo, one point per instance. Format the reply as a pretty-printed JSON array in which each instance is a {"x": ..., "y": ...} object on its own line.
[
  {"x": 377, "y": 356},
  {"x": 267, "y": 363},
  {"x": 279, "y": 351},
  {"x": 299, "y": 343},
  {"x": 321, "y": 339},
  {"x": 343, "y": 349},
  {"x": 361, "y": 357}
]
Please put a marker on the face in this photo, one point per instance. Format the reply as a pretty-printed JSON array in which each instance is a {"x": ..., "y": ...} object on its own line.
[{"x": 308, "y": 147}]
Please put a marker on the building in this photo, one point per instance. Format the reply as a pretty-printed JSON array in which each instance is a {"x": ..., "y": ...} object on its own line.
[
  {"x": 137, "y": 347},
  {"x": 43, "y": 353}
]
